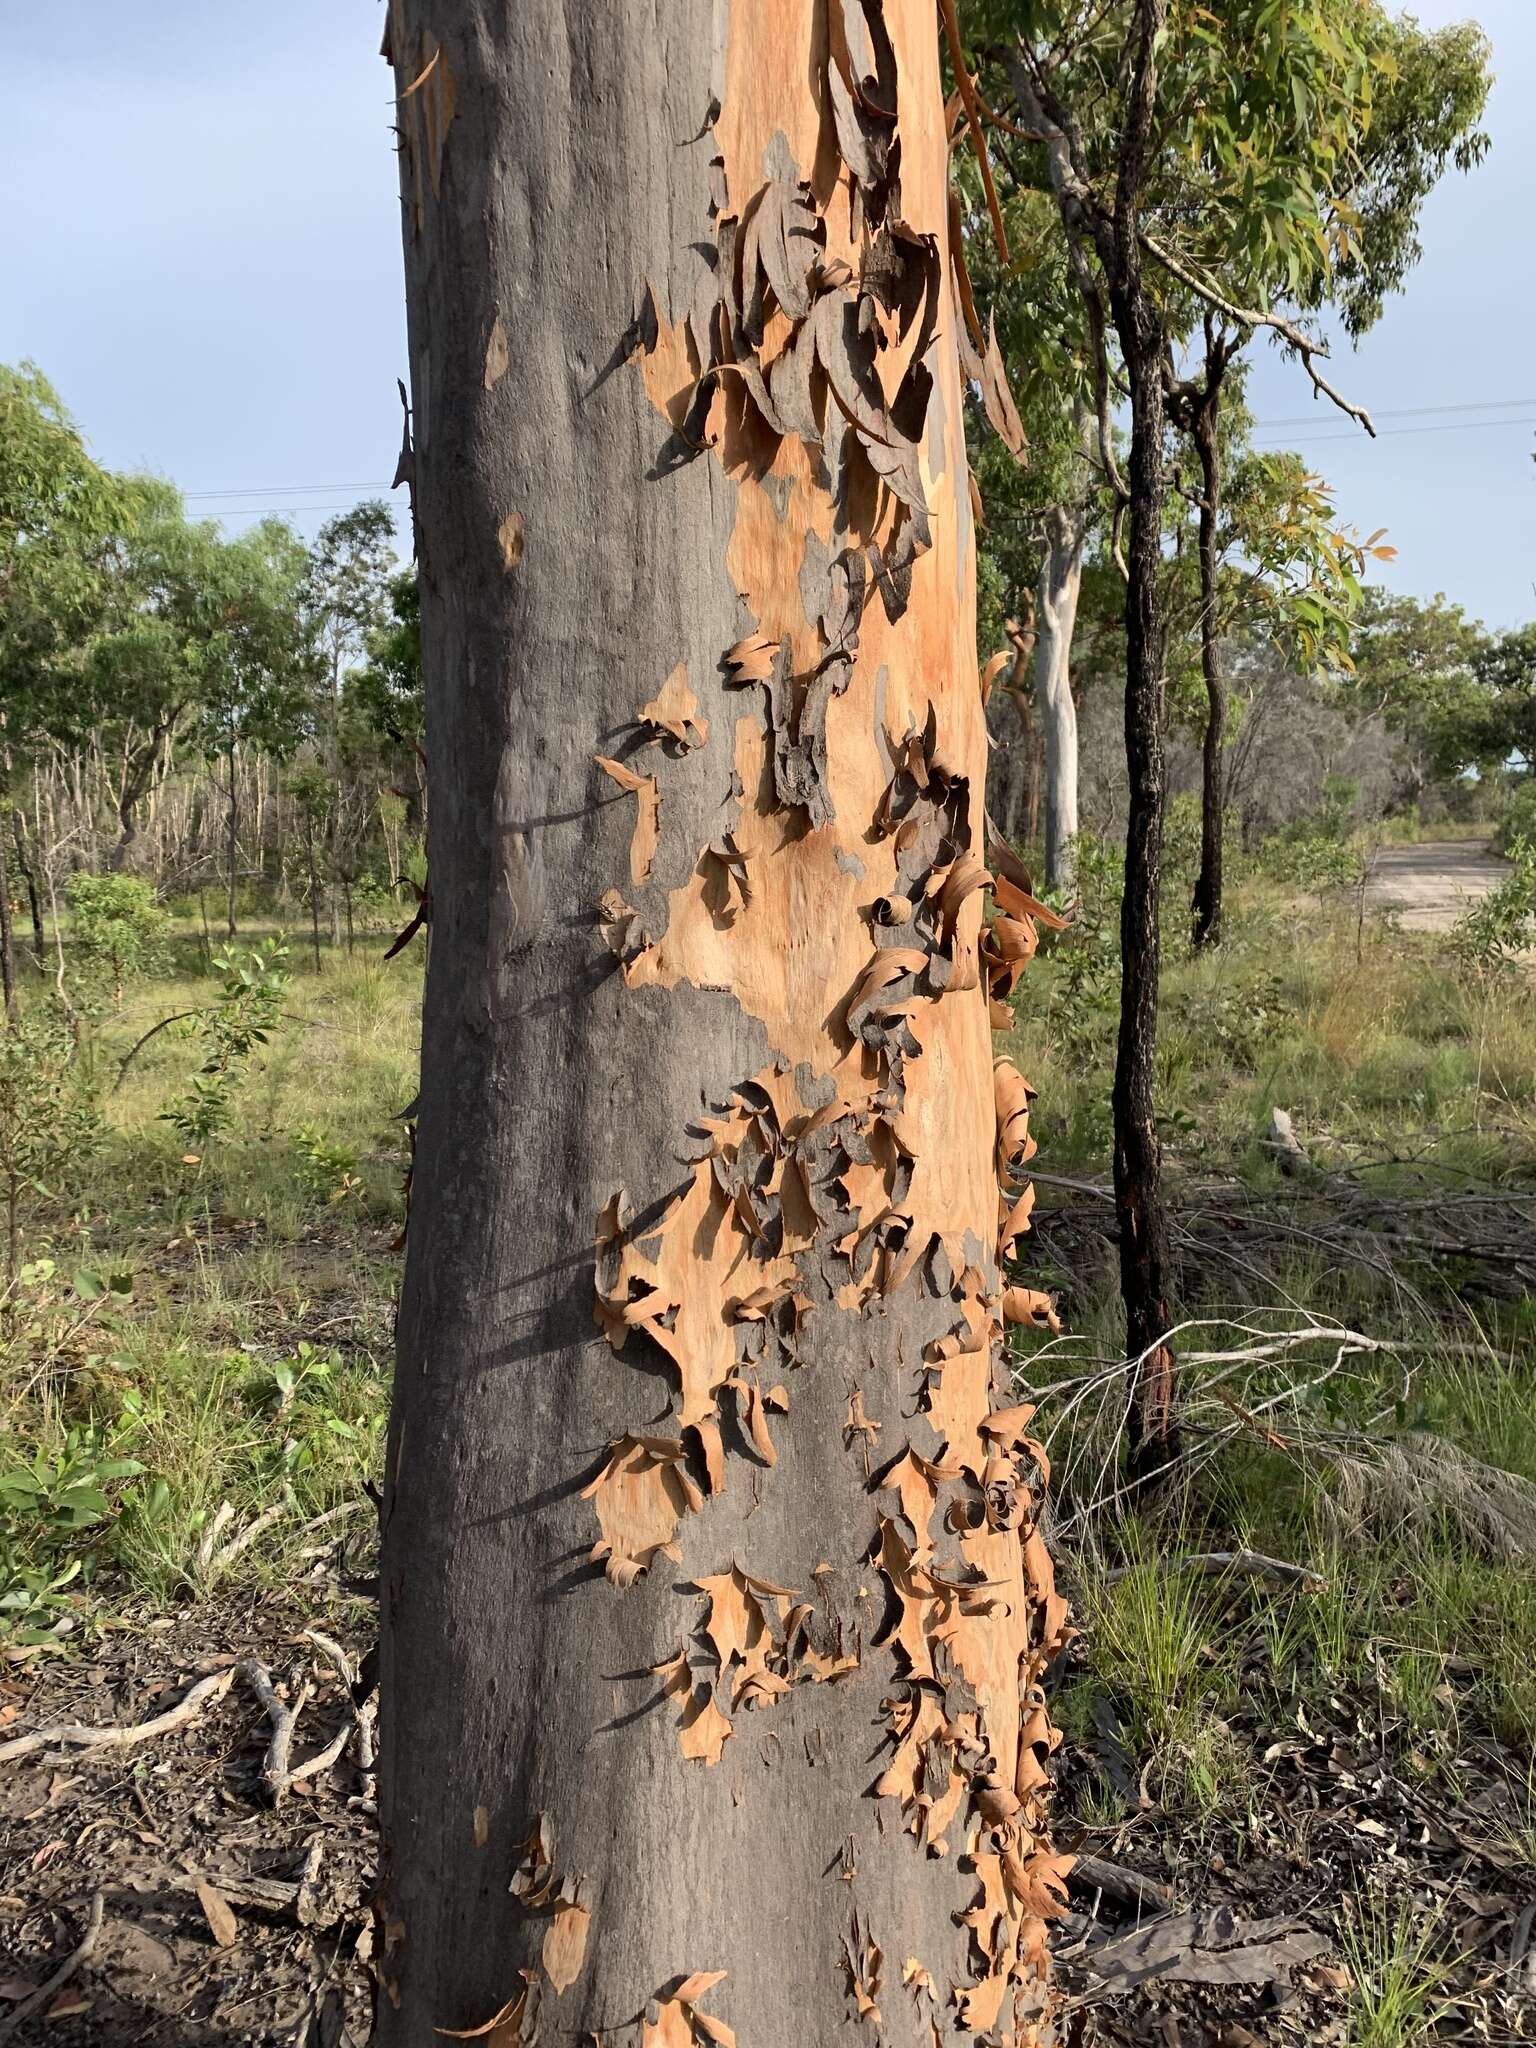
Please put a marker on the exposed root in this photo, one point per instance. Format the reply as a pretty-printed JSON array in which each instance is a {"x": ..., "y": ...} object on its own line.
[
  {"x": 61, "y": 1976},
  {"x": 72, "y": 1735}
]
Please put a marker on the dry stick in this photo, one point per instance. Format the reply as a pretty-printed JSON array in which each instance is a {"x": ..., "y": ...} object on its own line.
[
  {"x": 247, "y": 1536},
  {"x": 1240, "y": 1563},
  {"x": 73, "y": 1735},
  {"x": 223, "y": 1515},
  {"x": 61, "y": 1975},
  {"x": 284, "y": 1716},
  {"x": 362, "y": 1719},
  {"x": 309, "y": 1876},
  {"x": 1128, "y": 1887}
]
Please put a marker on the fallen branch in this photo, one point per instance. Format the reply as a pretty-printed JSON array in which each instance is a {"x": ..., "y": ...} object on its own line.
[
  {"x": 276, "y": 1774},
  {"x": 61, "y": 1976},
  {"x": 73, "y": 1735},
  {"x": 1127, "y": 1887},
  {"x": 362, "y": 1717},
  {"x": 211, "y": 1561},
  {"x": 1215, "y": 1564},
  {"x": 309, "y": 1877}
]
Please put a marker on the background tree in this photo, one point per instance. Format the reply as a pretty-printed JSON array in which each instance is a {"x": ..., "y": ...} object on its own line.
[
  {"x": 698, "y": 756},
  {"x": 347, "y": 596},
  {"x": 1196, "y": 160},
  {"x": 259, "y": 672}
]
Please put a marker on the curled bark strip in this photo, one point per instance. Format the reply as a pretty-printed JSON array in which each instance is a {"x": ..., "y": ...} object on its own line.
[
  {"x": 71, "y": 1735},
  {"x": 61, "y": 1976}
]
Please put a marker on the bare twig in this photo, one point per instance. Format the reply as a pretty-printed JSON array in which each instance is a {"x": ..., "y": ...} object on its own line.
[
  {"x": 220, "y": 1520},
  {"x": 362, "y": 1718},
  {"x": 72, "y": 1735},
  {"x": 1252, "y": 1564},
  {"x": 309, "y": 1877},
  {"x": 217, "y": 1561},
  {"x": 61, "y": 1976}
]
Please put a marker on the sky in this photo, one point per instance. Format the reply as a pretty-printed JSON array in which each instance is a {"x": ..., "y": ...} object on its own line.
[{"x": 203, "y": 254}]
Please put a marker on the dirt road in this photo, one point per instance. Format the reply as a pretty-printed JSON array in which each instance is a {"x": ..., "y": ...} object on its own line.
[{"x": 1429, "y": 886}]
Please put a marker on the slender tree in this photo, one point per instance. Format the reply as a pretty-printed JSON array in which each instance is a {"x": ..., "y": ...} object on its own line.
[
  {"x": 347, "y": 599},
  {"x": 714, "y": 1610}
]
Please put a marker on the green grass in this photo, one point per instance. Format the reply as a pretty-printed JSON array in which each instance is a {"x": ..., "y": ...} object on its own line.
[
  {"x": 1397, "y": 1992},
  {"x": 1409, "y": 1073},
  {"x": 249, "y": 1363}
]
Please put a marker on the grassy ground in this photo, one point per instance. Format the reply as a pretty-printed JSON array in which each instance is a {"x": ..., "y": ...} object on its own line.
[
  {"x": 198, "y": 1339},
  {"x": 217, "y": 1323},
  {"x": 1400, "y": 1479}
]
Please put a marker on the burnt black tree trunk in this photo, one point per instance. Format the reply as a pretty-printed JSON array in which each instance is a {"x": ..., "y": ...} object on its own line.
[
  {"x": 694, "y": 1409},
  {"x": 29, "y": 876},
  {"x": 1204, "y": 423},
  {"x": 1108, "y": 230}
]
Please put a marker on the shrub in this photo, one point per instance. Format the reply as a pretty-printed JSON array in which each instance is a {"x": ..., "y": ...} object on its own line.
[
  {"x": 119, "y": 926},
  {"x": 249, "y": 1005},
  {"x": 1518, "y": 820},
  {"x": 48, "y": 1117}
]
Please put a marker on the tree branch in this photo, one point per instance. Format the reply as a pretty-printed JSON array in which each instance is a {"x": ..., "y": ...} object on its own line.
[{"x": 1250, "y": 318}]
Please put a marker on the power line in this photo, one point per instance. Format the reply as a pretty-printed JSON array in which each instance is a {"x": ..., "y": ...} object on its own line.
[
  {"x": 267, "y": 492},
  {"x": 1446, "y": 427},
  {"x": 1413, "y": 412},
  {"x": 285, "y": 490}
]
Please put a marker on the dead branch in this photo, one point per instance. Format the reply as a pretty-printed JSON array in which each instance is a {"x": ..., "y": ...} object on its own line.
[
  {"x": 61, "y": 1976},
  {"x": 276, "y": 1774},
  {"x": 1125, "y": 1887},
  {"x": 213, "y": 1562},
  {"x": 1303, "y": 345},
  {"x": 72, "y": 1735},
  {"x": 1214, "y": 1564},
  {"x": 309, "y": 1877},
  {"x": 362, "y": 1719}
]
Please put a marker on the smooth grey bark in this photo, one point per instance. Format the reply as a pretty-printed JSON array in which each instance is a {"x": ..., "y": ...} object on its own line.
[
  {"x": 1056, "y": 595},
  {"x": 515, "y": 1680}
]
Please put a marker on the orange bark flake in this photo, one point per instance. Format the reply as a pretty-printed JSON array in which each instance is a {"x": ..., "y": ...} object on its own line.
[{"x": 843, "y": 905}]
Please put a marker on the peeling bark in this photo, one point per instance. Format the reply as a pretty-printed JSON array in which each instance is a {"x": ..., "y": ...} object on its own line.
[{"x": 715, "y": 1608}]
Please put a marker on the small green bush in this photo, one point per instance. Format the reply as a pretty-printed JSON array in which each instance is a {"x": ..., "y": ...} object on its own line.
[
  {"x": 119, "y": 927},
  {"x": 1518, "y": 819}
]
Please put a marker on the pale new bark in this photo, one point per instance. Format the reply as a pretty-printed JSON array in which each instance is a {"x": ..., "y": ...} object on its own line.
[
  {"x": 700, "y": 1643},
  {"x": 1056, "y": 596}
]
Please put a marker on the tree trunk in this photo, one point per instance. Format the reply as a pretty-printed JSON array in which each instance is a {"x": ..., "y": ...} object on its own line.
[
  {"x": 333, "y": 825},
  {"x": 314, "y": 887},
  {"x": 1205, "y": 906},
  {"x": 29, "y": 876},
  {"x": 689, "y": 1000},
  {"x": 232, "y": 849},
  {"x": 1061, "y": 578},
  {"x": 7, "y": 939},
  {"x": 1152, "y": 1419},
  {"x": 136, "y": 779}
]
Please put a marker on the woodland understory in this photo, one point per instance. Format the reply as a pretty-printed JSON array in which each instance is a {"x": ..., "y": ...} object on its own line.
[
  {"x": 1177, "y": 1404},
  {"x": 1302, "y": 1695}
]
